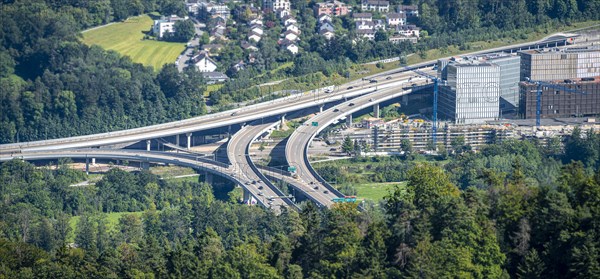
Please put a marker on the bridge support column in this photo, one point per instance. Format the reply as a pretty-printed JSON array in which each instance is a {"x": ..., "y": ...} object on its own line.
[
  {"x": 148, "y": 144},
  {"x": 177, "y": 140},
  {"x": 118, "y": 162},
  {"x": 145, "y": 165},
  {"x": 247, "y": 196},
  {"x": 208, "y": 178},
  {"x": 189, "y": 140},
  {"x": 405, "y": 100},
  {"x": 321, "y": 108},
  {"x": 376, "y": 110},
  {"x": 87, "y": 165},
  {"x": 349, "y": 120},
  {"x": 282, "y": 120}
]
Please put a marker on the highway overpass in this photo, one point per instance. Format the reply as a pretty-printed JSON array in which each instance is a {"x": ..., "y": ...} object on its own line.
[{"x": 242, "y": 115}]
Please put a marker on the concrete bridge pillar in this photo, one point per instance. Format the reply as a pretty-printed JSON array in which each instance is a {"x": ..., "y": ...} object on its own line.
[
  {"x": 376, "y": 110},
  {"x": 145, "y": 165},
  {"x": 208, "y": 178},
  {"x": 177, "y": 140},
  {"x": 321, "y": 108},
  {"x": 405, "y": 100},
  {"x": 148, "y": 144},
  {"x": 349, "y": 120},
  {"x": 87, "y": 165},
  {"x": 93, "y": 161},
  {"x": 189, "y": 140},
  {"x": 247, "y": 196},
  {"x": 282, "y": 120}
]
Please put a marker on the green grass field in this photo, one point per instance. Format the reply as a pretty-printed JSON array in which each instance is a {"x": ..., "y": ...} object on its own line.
[
  {"x": 112, "y": 219},
  {"x": 375, "y": 191},
  {"x": 127, "y": 38}
]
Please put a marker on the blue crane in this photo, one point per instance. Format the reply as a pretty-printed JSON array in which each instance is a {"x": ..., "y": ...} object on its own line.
[
  {"x": 540, "y": 85},
  {"x": 435, "y": 101}
]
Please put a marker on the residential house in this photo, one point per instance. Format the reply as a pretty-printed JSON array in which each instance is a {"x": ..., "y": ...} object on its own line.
[
  {"x": 289, "y": 45},
  {"x": 287, "y": 20},
  {"x": 293, "y": 27},
  {"x": 252, "y": 57},
  {"x": 204, "y": 63},
  {"x": 254, "y": 37},
  {"x": 218, "y": 33},
  {"x": 212, "y": 49},
  {"x": 290, "y": 35},
  {"x": 257, "y": 29},
  {"x": 409, "y": 10},
  {"x": 400, "y": 38},
  {"x": 327, "y": 26},
  {"x": 239, "y": 66},
  {"x": 368, "y": 34},
  {"x": 214, "y": 77},
  {"x": 192, "y": 8},
  {"x": 256, "y": 21},
  {"x": 379, "y": 24},
  {"x": 165, "y": 25},
  {"x": 365, "y": 25},
  {"x": 408, "y": 30},
  {"x": 324, "y": 17},
  {"x": 375, "y": 5},
  {"x": 335, "y": 8},
  {"x": 248, "y": 12},
  {"x": 394, "y": 19},
  {"x": 328, "y": 34},
  {"x": 248, "y": 46},
  {"x": 362, "y": 17},
  {"x": 281, "y": 13},
  {"x": 274, "y": 5}
]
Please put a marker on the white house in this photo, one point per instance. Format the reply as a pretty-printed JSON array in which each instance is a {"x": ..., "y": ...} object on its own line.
[
  {"x": 324, "y": 17},
  {"x": 368, "y": 34},
  {"x": 275, "y": 5},
  {"x": 287, "y": 20},
  {"x": 293, "y": 27},
  {"x": 364, "y": 25},
  {"x": 326, "y": 26},
  {"x": 399, "y": 38},
  {"x": 256, "y": 29},
  {"x": 289, "y": 45},
  {"x": 214, "y": 77},
  {"x": 362, "y": 16},
  {"x": 290, "y": 35},
  {"x": 408, "y": 30},
  {"x": 253, "y": 37},
  {"x": 394, "y": 19},
  {"x": 165, "y": 25},
  {"x": 204, "y": 63},
  {"x": 409, "y": 10},
  {"x": 248, "y": 46},
  {"x": 379, "y": 24},
  {"x": 328, "y": 34},
  {"x": 256, "y": 21},
  {"x": 381, "y": 6}
]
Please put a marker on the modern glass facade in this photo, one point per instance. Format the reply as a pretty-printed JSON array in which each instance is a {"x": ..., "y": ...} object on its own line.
[
  {"x": 471, "y": 94},
  {"x": 560, "y": 64}
]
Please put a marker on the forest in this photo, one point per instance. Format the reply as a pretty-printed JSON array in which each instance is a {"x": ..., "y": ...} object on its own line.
[
  {"x": 516, "y": 209},
  {"x": 51, "y": 85}
]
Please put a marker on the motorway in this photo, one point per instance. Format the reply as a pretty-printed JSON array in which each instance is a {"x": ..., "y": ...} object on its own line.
[
  {"x": 241, "y": 163},
  {"x": 242, "y": 115},
  {"x": 298, "y": 143}
]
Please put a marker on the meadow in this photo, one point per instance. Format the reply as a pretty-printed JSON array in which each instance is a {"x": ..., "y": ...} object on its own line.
[{"x": 127, "y": 38}]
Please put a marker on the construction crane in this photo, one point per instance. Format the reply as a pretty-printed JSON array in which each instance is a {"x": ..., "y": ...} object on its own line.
[
  {"x": 540, "y": 85},
  {"x": 435, "y": 101}
]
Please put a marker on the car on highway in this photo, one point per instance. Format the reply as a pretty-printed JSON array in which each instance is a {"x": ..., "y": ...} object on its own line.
[
  {"x": 325, "y": 192},
  {"x": 350, "y": 87},
  {"x": 247, "y": 182},
  {"x": 234, "y": 114},
  {"x": 351, "y": 104},
  {"x": 373, "y": 81},
  {"x": 333, "y": 149},
  {"x": 336, "y": 110},
  {"x": 260, "y": 187},
  {"x": 253, "y": 181},
  {"x": 260, "y": 193},
  {"x": 388, "y": 78},
  {"x": 371, "y": 100}
]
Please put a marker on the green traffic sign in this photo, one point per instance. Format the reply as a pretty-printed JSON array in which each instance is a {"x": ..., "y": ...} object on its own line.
[
  {"x": 291, "y": 169},
  {"x": 315, "y": 124}
]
